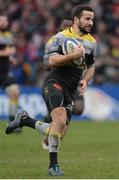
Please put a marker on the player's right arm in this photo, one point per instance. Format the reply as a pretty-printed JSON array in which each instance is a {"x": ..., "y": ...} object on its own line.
[
  {"x": 56, "y": 58},
  {"x": 8, "y": 51}
]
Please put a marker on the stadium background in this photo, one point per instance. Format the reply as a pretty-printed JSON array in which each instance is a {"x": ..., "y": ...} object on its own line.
[{"x": 32, "y": 23}]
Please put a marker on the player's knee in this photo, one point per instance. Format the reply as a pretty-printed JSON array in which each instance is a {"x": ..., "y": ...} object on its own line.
[
  {"x": 78, "y": 111},
  {"x": 59, "y": 116},
  {"x": 78, "y": 108},
  {"x": 12, "y": 91}
]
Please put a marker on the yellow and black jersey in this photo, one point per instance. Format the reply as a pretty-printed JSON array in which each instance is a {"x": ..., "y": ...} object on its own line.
[
  {"x": 70, "y": 74},
  {"x": 6, "y": 39},
  {"x": 55, "y": 45}
]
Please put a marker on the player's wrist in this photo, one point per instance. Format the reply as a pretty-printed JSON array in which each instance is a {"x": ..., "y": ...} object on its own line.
[{"x": 85, "y": 80}]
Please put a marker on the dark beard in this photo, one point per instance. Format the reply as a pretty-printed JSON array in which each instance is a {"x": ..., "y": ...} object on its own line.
[{"x": 82, "y": 30}]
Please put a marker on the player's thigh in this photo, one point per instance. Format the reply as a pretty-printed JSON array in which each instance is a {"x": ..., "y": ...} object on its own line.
[{"x": 53, "y": 95}]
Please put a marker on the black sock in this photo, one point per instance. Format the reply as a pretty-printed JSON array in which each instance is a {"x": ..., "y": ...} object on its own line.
[
  {"x": 53, "y": 159},
  {"x": 28, "y": 121},
  {"x": 11, "y": 118},
  {"x": 47, "y": 119}
]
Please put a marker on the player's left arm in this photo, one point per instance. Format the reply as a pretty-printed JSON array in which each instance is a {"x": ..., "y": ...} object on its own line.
[
  {"x": 8, "y": 51},
  {"x": 90, "y": 70},
  {"x": 88, "y": 75}
]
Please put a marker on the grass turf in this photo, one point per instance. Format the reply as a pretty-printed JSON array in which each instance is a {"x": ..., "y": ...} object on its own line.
[{"x": 90, "y": 150}]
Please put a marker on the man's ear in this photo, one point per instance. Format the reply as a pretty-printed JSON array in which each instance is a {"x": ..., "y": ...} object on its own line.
[{"x": 76, "y": 19}]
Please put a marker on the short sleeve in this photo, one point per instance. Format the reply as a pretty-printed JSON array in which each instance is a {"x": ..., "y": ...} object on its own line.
[{"x": 90, "y": 58}]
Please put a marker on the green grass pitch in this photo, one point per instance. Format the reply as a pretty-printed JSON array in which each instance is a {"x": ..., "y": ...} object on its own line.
[{"x": 90, "y": 150}]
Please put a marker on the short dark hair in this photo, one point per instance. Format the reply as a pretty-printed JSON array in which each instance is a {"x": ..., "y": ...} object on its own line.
[{"x": 77, "y": 11}]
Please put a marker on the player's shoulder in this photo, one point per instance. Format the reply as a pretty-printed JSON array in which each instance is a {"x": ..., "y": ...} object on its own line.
[
  {"x": 67, "y": 33},
  {"x": 58, "y": 38},
  {"x": 62, "y": 34},
  {"x": 89, "y": 37},
  {"x": 50, "y": 40},
  {"x": 6, "y": 33}
]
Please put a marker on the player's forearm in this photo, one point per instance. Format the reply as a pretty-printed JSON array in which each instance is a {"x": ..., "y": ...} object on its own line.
[
  {"x": 89, "y": 73},
  {"x": 59, "y": 60},
  {"x": 9, "y": 51}
]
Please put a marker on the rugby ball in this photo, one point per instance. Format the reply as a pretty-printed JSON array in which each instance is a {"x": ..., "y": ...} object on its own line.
[
  {"x": 69, "y": 44},
  {"x": 68, "y": 47}
]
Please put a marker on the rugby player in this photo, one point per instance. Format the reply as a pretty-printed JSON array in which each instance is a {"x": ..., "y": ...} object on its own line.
[
  {"x": 7, "y": 51},
  {"x": 61, "y": 83}
]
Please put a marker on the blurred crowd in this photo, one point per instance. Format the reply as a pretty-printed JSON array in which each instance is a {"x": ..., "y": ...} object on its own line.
[{"x": 33, "y": 22}]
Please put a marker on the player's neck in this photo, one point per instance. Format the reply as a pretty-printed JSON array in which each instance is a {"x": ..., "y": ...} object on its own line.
[{"x": 76, "y": 30}]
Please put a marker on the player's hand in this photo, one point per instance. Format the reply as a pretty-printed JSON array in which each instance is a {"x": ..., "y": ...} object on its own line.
[
  {"x": 83, "y": 86},
  {"x": 78, "y": 52}
]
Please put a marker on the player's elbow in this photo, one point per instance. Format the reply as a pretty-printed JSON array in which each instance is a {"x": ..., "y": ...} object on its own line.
[
  {"x": 91, "y": 67},
  {"x": 52, "y": 61}
]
